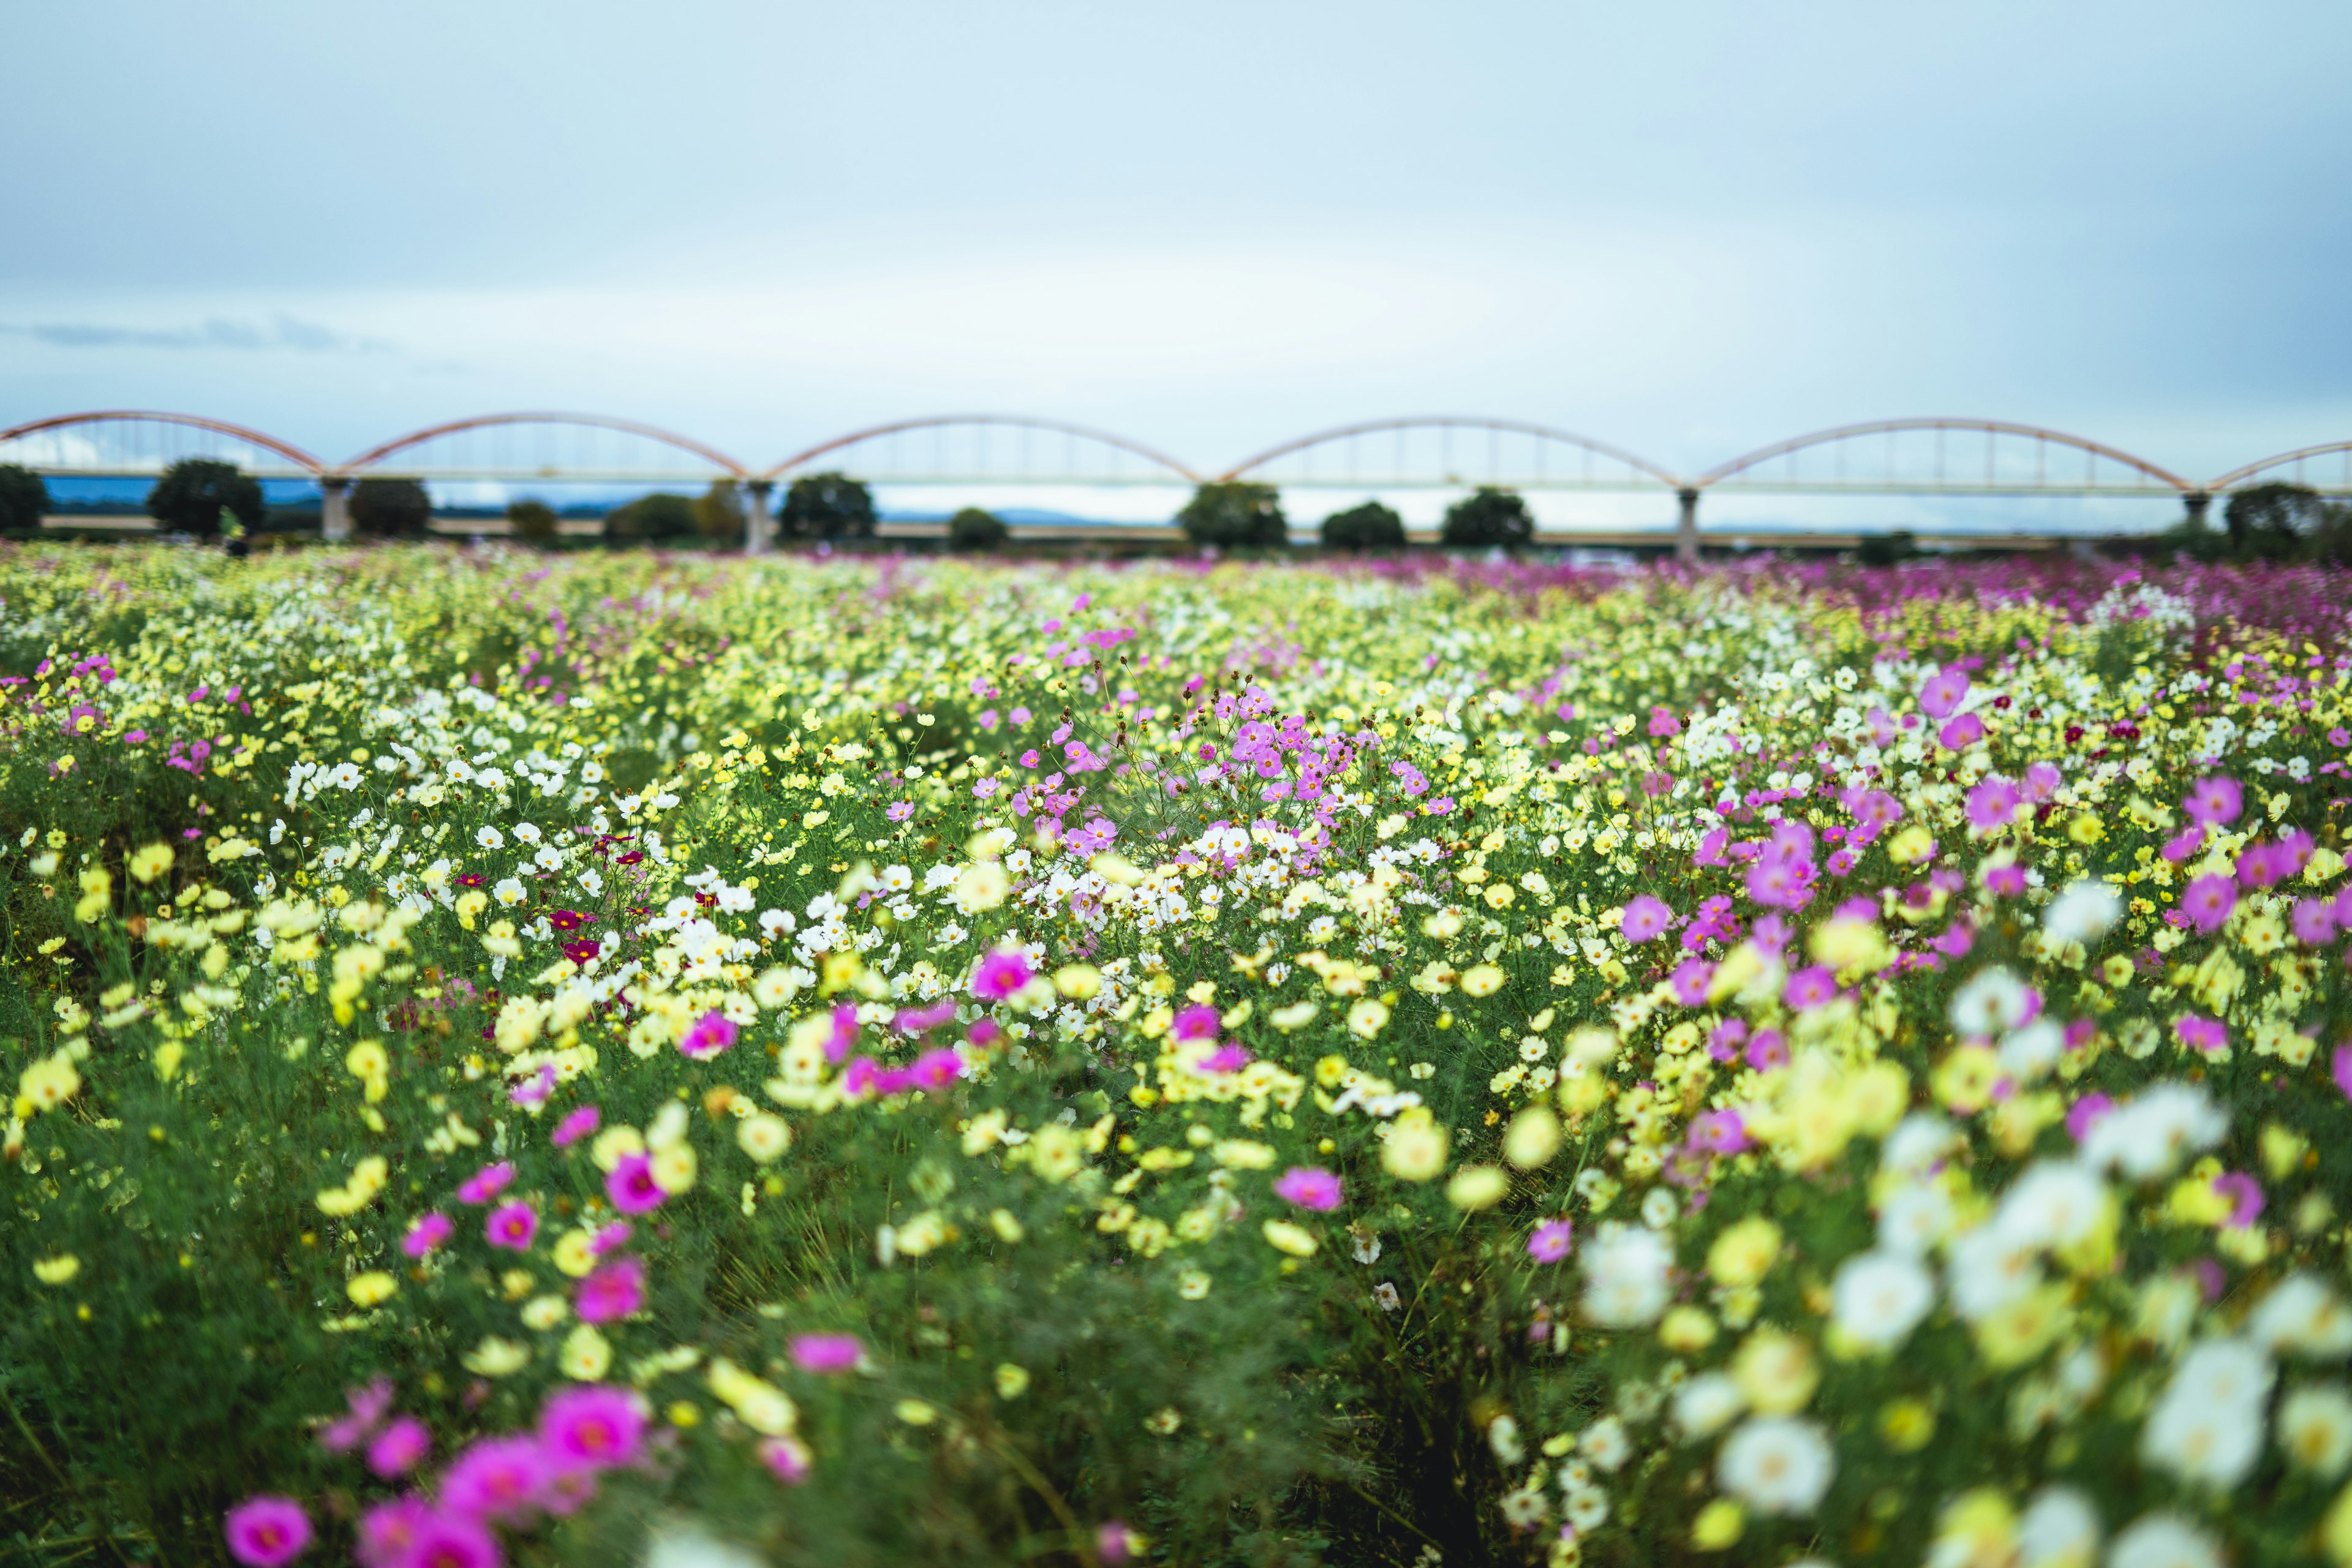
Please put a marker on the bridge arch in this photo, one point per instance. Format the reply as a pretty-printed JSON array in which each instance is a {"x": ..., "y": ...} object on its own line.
[
  {"x": 965, "y": 461},
  {"x": 1990, "y": 477},
  {"x": 1538, "y": 441},
  {"x": 2299, "y": 460},
  {"x": 146, "y": 441},
  {"x": 539, "y": 445}
]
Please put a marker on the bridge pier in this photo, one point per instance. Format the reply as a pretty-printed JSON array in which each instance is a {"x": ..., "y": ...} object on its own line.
[
  {"x": 1686, "y": 525},
  {"x": 335, "y": 509},
  {"x": 755, "y": 515},
  {"x": 2196, "y": 501}
]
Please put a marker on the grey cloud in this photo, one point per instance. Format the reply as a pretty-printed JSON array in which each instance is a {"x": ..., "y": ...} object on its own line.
[{"x": 283, "y": 332}]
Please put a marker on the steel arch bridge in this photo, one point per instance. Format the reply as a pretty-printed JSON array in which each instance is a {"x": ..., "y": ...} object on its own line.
[
  {"x": 2303, "y": 467},
  {"x": 138, "y": 442},
  {"x": 1451, "y": 451},
  {"x": 509, "y": 447},
  {"x": 1944, "y": 456},
  {"x": 989, "y": 449}
]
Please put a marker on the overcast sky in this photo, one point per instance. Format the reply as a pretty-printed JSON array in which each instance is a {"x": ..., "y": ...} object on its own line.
[{"x": 1686, "y": 228}]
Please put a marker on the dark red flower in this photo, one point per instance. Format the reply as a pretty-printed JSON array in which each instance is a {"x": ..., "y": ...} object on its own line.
[
  {"x": 581, "y": 952},
  {"x": 567, "y": 921}
]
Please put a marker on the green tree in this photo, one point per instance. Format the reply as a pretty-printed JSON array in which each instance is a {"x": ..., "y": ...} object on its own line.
[
  {"x": 391, "y": 508},
  {"x": 1370, "y": 526},
  {"x": 2272, "y": 521},
  {"x": 24, "y": 499},
  {"x": 826, "y": 506},
  {"x": 533, "y": 522},
  {"x": 719, "y": 512},
  {"x": 1232, "y": 514},
  {"x": 1489, "y": 516},
  {"x": 190, "y": 496},
  {"x": 976, "y": 527},
  {"x": 650, "y": 519}
]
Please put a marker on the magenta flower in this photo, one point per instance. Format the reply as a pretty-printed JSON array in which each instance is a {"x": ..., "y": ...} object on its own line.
[
  {"x": 1942, "y": 692},
  {"x": 2214, "y": 802},
  {"x": 1550, "y": 1240},
  {"x": 935, "y": 1069},
  {"x": 429, "y": 1231},
  {"x": 1719, "y": 1133},
  {"x": 2206, "y": 1035},
  {"x": 1198, "y": 1022},
  {"x": 787, "y": 1460},
  {"x": 486, "y": 1183},
  {"x": 826, "y": 1352},
  {"x": 1809, "y": 988},
  {"x": 1646, "y": 919},
  {"x": 1768, "y": 1050},
  {"x": 511, "y": 1226},
  {"x": 1965, "y": 731},
  {"x": 367, "y": 1406},
  {"x": 1993, "y": 804},
  {"x": 613, "y": 1235},
  {"x": 595, "y": 1427},
  {"x": 1227, "y": 1057},
  {"x": 498, "y": 1479},
  {"x": 2086, "y": 1113},
  {"x": 2207, "y": 900},
  {"x": 999, "y": 975},
  {"x": 1309, "y": 1187},
  {"x": 2184, "y": 844},
  {"x": 2006, "y": 880},
  {"x": 631, "y": 1186},
  {"x": 1115, "y": 1543},
  {"x": 611, "y": 1290},
  {"x": 577, "y": 1124},
  {"x": 397, "y": 1448},
  {"x": 264, "y": 1531},
  {"x": 1690, "y": 980},
  {"x": 2313, "y": 921},
  {"x": 2341, "y": 1063},
  {"x": 389, "y": 1530},
  {"x": 2245, "y": 1195},
  {"x": 706, "y": 1037}
]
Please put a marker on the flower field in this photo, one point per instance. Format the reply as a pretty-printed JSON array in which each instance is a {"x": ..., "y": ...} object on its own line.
[{"x": 953, "y": 1063}]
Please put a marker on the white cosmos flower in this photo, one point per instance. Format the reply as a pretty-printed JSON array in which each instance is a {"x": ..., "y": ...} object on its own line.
[
  {"x": 1992, "y": 1000},
  {"x": 2207, "y": 1425},
  {"x": 1706, "y": 1405},
  {"x": 2056, "y": 1203},
  {"x": 1585, "y": 1508},
  {"x": 2163, "y": 1540},
  {"x": 1777, "y": 1464},
  {"x": 1625, "y": 1269},
  {"x": 508, "y": 891},
  {"x": 2302, "y": 1317},
  {"x": 2059, "y": 1528},
  {"x": 2150, "y": 1137},
  {"x": 2082, "y": 913},
  {"x": 1878, "y": 1297},
  {"x": 1987, "y": 1270},
  {"x": 1918, "y": 1141},
  {"x": 488, "y": 838},
  {"x": 2029, "y": 1053},
  {"x": 2315, "y": 1429},
  {"x": 1914, "y": 1219},
  {"x": 526, "y": 832}
]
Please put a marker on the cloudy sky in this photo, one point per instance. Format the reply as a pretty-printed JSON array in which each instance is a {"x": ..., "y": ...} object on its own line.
[{"x": 1689, "y": 228}]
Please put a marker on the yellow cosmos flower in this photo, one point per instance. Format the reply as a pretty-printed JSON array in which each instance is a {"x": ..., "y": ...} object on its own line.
[
  {"x": 1745, "y": 1252},
  {"x": 151, "y": 862},
  {"x": 1293, "y": 1239},
  {"x": 59, "y": 1270},
  {"x": 372, "y": 1289},
  {"x": 1482, "y": 980}
]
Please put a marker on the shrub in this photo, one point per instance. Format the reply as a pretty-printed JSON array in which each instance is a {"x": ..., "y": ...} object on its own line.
[
  {"x": 719, "y": 512},
  {"x": 1368, "y": 527},
  {"x": 391, "y": 508},
  {"x": 1489, "y": 517},
  {"x": 193, "y": 492},
  {"x": 826, "y": 506},
  {"x": 651, "y": 520},
  {"x": 533, "y": 522},
  {"x": 976, "y": 527},
  {"x": 1235, "y": 515},
  {"x": 24, "y": 499}
]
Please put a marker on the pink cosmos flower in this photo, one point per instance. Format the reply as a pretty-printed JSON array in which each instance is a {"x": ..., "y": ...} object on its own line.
[
  {"x": 577, "y": 1124},
  {"x": 2184, "y": 844},
  {"x": 1809, "y": 988},
  {"x": 1960, "y": 732},
  {"x": 532, "y": 1091},
  {"x": 2206, "y": 1035},
  {"x": 2214, "y": 802},
  {"x": 498, "y": 1479},
  {"x": 443, "y": 1540},
  {"x": 999, "y": 975},
  {"x": 613, "y": 1235},
  {"x": 935, "y": 1069},
  {"x": 826, "y": 1352},
  {"x": 1942, "y": 692},
  {"x": 1227, "y": 1057},
  {"x": 2207, "y": 900},
  {"x": 593, "y": 1427},
  {"x": 2086, "y": 1113},
  {"x": 2341, "y": 1064},
  {"x": 1198, "y": 1022},
  {"x": 368, "y": 1405},
  {"x": 1724, "y": 1041},
  {"x": 2313, "y": 921},
  {"x": 389, "y": 1530},
  {"x": 1690, "y": 980},
  {"x": 1115, "y": 1543},
  {"x": 923, "y": 1020},
  {"x": 486, "y": 1183},
  {"x": 613, "y": 1291},
  {"x": 1768, "y": 1050},
  {"x": 2004, "y": 881},
  {"x": 631, "y": 1186},
  {"x": 397, "y": 1448},
  {"x": 845, "y": 1032},
  {"x": 429, "y": 1231},
  {"x": 1719, "y": 1133},
  {"x": 1309, "y": 1187},
  {"x": 2245, "y": 1195},
  {"x": 511, "y": 1226},
  {"x": 787, "y": 1460},
  {"x": 1993, "y": 804},
  {"x": 1550, "y": 1240},
  {"x": 1646, "y": 919},
  {"x": 706, "y": 1037},
  {"x": 264, "y": 1531}
]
